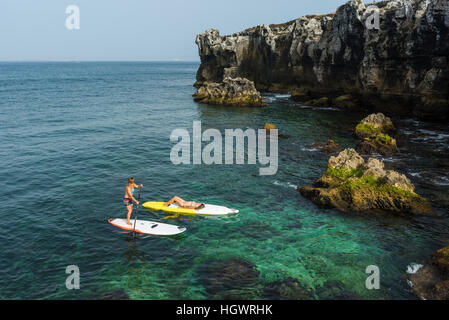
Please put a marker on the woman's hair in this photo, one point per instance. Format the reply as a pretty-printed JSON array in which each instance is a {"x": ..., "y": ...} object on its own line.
[{"x": 130, "y": 181}]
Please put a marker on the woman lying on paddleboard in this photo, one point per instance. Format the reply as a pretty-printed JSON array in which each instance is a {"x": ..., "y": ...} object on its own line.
[
  {"x": 129, "y": 198},
  {"x": 185, "y": 204}
]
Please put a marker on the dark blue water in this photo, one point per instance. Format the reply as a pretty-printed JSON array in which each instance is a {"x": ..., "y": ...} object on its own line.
[{"x": 72, "y": 133}]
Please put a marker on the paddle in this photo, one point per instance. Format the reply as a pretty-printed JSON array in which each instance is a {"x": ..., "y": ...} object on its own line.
[{"x": 137, "y": 210}]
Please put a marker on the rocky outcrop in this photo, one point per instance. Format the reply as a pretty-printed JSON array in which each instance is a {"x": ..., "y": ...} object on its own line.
[
  {"x": 352, "y": 185},
  {"x": 373, "y": 124},
  {"x": 431, "y": 282},
  {"x": 402, "y": 67},
  {"x": 231, "y": 92},
  {"x": 374, "y": 134}
]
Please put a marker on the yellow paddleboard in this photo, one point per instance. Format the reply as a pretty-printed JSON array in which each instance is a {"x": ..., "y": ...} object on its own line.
[{"x": 208, "y": 210}]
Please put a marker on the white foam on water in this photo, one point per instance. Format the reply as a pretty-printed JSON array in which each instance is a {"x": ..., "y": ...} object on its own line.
[
  {"x": 310, "y": 149},
  {"x": 282, "y": 96},
  {"x": 413, "y": 268},
  {"x": 285, "y": 184},
  {"x": 442, "y": 181}
]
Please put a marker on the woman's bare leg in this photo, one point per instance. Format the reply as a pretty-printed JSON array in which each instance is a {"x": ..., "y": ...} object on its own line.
[
  {"x": 176, "y": 199},
  {"x": 130, "y": 210}
]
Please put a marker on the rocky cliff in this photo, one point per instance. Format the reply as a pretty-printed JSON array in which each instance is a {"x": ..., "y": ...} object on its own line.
[{"x": 399, "y": 68}]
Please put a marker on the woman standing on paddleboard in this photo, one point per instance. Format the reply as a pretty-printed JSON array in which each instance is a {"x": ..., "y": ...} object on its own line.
[{"x": 129, "y": 198}]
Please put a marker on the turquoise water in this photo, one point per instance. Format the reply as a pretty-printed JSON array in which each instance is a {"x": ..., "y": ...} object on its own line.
[{"x": 72, "y": 133}]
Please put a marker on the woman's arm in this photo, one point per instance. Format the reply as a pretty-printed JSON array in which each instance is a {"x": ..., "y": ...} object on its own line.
[{"x": 138, "y": 187}]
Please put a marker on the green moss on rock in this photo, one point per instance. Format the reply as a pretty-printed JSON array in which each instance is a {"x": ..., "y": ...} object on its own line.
[{"x": 358, "y": 186}]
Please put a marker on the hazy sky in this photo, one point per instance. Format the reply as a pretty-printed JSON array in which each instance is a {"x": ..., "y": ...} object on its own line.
[{"x": 133, "y": 29}]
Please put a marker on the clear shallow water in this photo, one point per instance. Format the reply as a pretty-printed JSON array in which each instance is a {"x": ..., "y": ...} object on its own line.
[{"x": 72, "y": 133}]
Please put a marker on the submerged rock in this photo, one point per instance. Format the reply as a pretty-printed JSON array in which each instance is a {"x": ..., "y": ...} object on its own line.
[
  {"x": 287, "y": 289},
  {"x": 232, "y": 92},
  {"x": 113, "y": 295},
  {"x": 346, "y": 102},
  {"x": 321, "y": 102},
  {"x": 233, "y": 277},
  {"x": 431, "y": 282},
  {"x": 336, "y": 290},
  {"x": 329, "y": 148},
  {"x": 401, "y": 67},
  {"x": 352, "y": 185}
]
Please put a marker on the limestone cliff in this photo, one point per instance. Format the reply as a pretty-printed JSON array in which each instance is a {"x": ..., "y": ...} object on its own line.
[{"x": 400, "y": 68}]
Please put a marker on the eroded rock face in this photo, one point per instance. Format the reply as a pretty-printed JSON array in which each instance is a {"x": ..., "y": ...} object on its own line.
[
  {"x": 347, "y": 159},
  {"x": 432, "y": 281},
  {"x": 402, "y": 68},
  {"x": 352, "y": 185},
  {"x": 233, "y": 92},
  {"x": 373, "y": 124}
]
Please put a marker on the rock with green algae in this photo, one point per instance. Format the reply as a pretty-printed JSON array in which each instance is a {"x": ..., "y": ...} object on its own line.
[
  {"x": 231, "y": 92},
  {"x": 374, "y": 134},
  {"x": 352, "y": 185},
  {"x": 321, "y": 102},
  {"x": 431, "y": 282},
  {"x": 346, "y": 102},
  {"x": 375, "y": 123},
  {"x": 378, "y": 143}
]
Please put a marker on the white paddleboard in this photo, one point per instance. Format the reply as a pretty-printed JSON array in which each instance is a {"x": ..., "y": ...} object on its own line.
[
  {"x": 148, "y": 227},
  {"x": 213, "y": 210},
  {"x": 208, "y": 210}
]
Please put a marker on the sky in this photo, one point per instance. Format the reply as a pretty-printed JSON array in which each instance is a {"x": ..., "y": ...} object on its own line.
[{"x": 133, "y": 30}]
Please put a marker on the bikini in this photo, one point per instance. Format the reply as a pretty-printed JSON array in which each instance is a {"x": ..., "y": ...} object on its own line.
[
  {"x": 127, "y": 201},
  {"x": 191, "y": 204}
]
